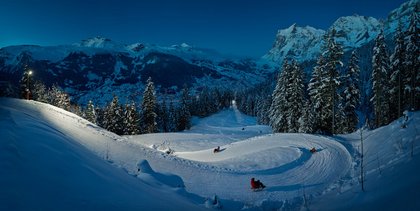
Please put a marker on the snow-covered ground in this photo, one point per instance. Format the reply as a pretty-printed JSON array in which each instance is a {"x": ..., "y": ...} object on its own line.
[{"x": 47, "y": 162}]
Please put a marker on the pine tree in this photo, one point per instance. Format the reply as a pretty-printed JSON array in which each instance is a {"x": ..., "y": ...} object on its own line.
[
  {"x": 380, "y": 87},
  {"x": 294, "y": 97},
  {"x": 148, "y": 108},
  {"x": 114, "y": 114},
  {"x": 90, "y": 113},
  {"x": 412, "y": 63},
  {"x": 58, "y": 98},
  {"x": 164, "y": 116},
  {"x": 76, "y": 109},
  {"x": 306, "y": 121},
  {"x": 351, "y": 94},
  {"x": 100, "y": 116},
  {"x": 277, "y": 110},
  {"x": 40, "y": 92},
  {"x": 397, "y": 71},
  {"x": 263, "y": 105},
  {"x": 184, "y": 115},
  {"x": 131, "y": 120},
  {"x": 173, "y": 119},
  {"x": 316, "y": 90},
  {"x": 331, "y": 80}
]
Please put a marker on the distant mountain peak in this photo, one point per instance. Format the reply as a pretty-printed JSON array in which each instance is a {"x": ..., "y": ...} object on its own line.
[
  {"x": 294, "y": 41},
  {"x": 99, "y": 42},
  {"x": 182, "y": 46},
  {"x": 354, "y": 31},
  {"x": 304, "y": 43}
]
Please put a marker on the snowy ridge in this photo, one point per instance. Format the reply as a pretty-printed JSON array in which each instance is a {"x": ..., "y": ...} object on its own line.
[
  {"x": 355, "y": 31},
  {"x": 97, "y": 67},
  {"x": 400, "y": 14},
  {"x": 300, "y": 43},
  {"x": 303, "y": 43},
  {"x": 100, "y": 42}
]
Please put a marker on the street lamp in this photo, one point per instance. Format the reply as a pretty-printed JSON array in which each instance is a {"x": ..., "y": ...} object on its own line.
[{"x": 28, "y": 91}]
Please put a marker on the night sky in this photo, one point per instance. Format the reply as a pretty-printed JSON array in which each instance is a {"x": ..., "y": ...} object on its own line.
[{"x": 239, "y": 27}]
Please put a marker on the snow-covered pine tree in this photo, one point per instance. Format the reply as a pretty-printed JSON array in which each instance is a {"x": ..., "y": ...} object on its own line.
[
  {"x": 263, "y": 107},
  {"x": 306, "y": 121},
  {"x": 40, "y": 92},
  {"x": 250, "y": 105},
  {"x": 278, "y": 120},
  {"x": 315, "y": 91},
  {"x": 131, "y": 120},
  {"x": 412, "y": 63},
  {"x": 148, "y": 107},
  {"x": 184, "y": 115},
  {"x": 90, "y": 113},
  {"x": 173, "y": 119},
  {"x": 100, "y": 116},
  {"x": 163, "y": 116},
  {"x": 294, "y": 97},
  {"x": 333, "y": 53},
  {"x": 351, "y": 94},
  {"x": 113, "y": 119},
  {"x": 58, "y": 98},
  {"x": 397, "y": 71},
  {"x": 380, "y": 86},
  {"x": 76, "y": 109}
]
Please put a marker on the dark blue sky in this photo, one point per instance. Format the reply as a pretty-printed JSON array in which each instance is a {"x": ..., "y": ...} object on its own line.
[{"x": 240, "y": 27}]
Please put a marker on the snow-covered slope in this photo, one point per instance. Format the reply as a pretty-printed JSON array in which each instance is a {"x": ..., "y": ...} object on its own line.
[
  {"x": 44, "y": 167},
  {"x": 326, "y": 180},
  {"x": 46, "y": 163}
]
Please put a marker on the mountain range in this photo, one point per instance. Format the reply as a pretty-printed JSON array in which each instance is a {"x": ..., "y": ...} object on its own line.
[{"x": 98, "y": 68}]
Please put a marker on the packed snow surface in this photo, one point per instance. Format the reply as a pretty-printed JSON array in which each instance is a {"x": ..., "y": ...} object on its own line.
[{"x": 46, "y": 162}]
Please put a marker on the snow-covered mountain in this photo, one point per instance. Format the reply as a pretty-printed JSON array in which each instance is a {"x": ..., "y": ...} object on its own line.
[
  {"x": 97, "y": 68},
  {"x": 300, "y": 43},
  {"x": 304, "y": 43},
  {"x": 400, "y": 14},
  {"x": 355, "y": 31}
]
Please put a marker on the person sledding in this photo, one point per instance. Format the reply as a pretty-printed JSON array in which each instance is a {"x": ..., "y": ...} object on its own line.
[
  {"x": 256, "y": 184},
  {"x": 216, "y": 149},
  {"x": 313, "y": 150}
]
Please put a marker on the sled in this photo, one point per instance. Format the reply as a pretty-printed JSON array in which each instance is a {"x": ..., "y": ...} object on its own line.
[{"x": 258, "y": 189}]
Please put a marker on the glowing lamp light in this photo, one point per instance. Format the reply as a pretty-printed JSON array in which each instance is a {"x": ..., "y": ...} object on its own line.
[
  {"x": 30, "y": 72},
  {"x": 233, "y": 102}
]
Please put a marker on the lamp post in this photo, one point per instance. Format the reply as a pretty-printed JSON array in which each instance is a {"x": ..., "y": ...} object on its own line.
[{"x": 28, "y": 91}]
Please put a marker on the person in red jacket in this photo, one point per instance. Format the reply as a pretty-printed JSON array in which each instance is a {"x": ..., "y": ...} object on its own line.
[{"x": 256, "y": 184}]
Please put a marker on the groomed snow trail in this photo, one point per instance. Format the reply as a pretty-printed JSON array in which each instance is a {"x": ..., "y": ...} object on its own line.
[{"x": 281, "y": 161}]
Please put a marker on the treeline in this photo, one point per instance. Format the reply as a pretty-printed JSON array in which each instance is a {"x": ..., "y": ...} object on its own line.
[
  {"x": 329, "y": 102},
  {"x": 151, "y": 115}
]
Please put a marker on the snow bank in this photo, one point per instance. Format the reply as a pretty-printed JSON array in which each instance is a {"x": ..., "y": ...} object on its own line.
[{"x": 42, "y": 167}]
